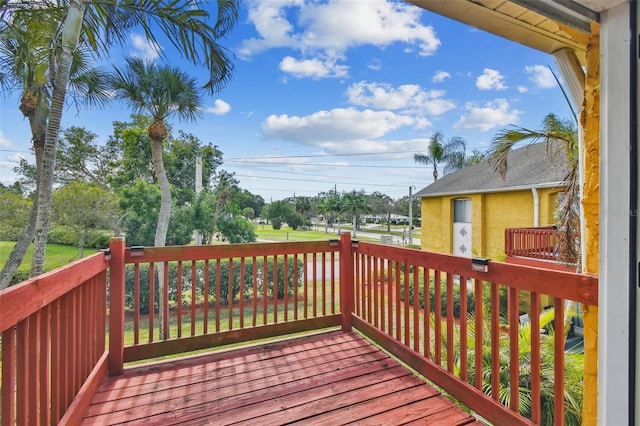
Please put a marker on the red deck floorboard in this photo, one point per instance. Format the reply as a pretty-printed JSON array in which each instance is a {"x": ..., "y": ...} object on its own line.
[{"x": 326, "y": 379}]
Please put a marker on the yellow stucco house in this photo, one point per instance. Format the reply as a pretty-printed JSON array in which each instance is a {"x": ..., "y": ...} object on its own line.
[{"x": 465, "y": 213}]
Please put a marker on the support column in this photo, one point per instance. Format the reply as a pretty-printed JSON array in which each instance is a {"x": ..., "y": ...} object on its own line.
[
  {"x": 116, "y": 307},
  {"x": 590, "y": 120}
]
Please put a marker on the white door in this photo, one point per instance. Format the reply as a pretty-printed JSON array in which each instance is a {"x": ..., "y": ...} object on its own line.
[{"x": 462, "y": 227}]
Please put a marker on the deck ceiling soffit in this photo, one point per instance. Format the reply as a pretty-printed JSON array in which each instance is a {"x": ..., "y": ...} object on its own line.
[{"x": 545, "y": 25}]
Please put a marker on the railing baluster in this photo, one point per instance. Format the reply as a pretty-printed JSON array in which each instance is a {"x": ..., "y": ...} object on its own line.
[
  {"x": 33, "y": 361},
  {"x": 358, "y": 282},
  {"x": 230, "y": 296},
  {"x": 305, "y": 289},
  {"x": 333, "y": 282},
  {"x": 535, "y": 358},
  {"x": 254, "y": 262},
  {"x": 450, "y": 320},
  {"x": 558, "y": 360},
  {"x": 265, "y": 284},
  {"x": 438, "y": 316},
  {"x": 205, "y": 325},
  {"x": 194, "y": 300},
  {"x": 324, "y": 283},
  {"x": 152, "y": 304},
  {"x": 398, "y": 301},
  {"x": 275, "y": 288},
  {"x": 376, "y": 288},
  {"x": 57, "y": 405},
  {"x": 478, "y": 333},
  {"x": 179, "y": 300},
  {"x": 218, "y": 289},
  {"x": 416, "y": 309},
  {"x": 7, "y": 405},
  {"x": 514, "y": 355},
  {"x": 390, "y": 297},
  {"x": 136, "y": 304},
  {"x": 165, "y": 298},
  {"x": 242, "y": 263},
  {"x": 296, "y": 279},
  {"x": 426, "y": 278},
  {"x": 495, "y": 341},
  {"x": 464, "y": 367},
  {"x": 286, "y": 288},
  {"x": 314, "y": 294},
  {"x": 405, "y": 306},
  {"x": 22, "y": 368}
]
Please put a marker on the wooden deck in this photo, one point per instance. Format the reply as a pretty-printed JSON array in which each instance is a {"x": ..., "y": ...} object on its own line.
[{"x": 329, "y": 378}]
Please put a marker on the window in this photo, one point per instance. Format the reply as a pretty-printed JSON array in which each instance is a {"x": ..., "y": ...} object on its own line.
[{"x": 462, "y": 210}]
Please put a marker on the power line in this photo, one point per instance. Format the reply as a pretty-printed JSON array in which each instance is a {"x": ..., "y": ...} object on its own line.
[
  {"x": 325, "y": 165},
  {"x": 315, "y": 181}
]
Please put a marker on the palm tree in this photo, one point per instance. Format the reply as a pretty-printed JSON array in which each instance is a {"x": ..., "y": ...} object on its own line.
[
  {"x": 106, "y": 23},
  {"x": 355, "y": 203},
  {"x": 450, "y": 153},
  {"x": 573, "y": 363},
  {"x": 160, "y": 92},
  {"x": 325, "y": 208},
  {"x": 26, "y": 64},
  {"x": 561, "y": 137}
]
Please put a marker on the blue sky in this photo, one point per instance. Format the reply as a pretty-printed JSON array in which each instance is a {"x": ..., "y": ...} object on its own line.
[{"x": 340, "y": 93}]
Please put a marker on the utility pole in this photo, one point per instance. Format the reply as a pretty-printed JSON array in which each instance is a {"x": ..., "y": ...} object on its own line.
[
  {"x": 198, "y": 237},
  {"x": 410, "y": 216}
]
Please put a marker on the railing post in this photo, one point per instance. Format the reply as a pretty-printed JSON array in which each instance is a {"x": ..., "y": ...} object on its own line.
[
  {"x": 116, "y": 306},
  {"x": 346, "y": 281}
]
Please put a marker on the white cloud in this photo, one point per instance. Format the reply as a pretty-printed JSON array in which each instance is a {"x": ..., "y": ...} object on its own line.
[
  {"x": 337, "y": 126},
  {"x": 219, "y": 107},
  {"x": 313, "y": 68},
  {"x": 541, "y": 76},
  {"x": 407, "y": 97},
  {"x": 143, "y": 48},
  {"x": 440, "y": 76},
  {"x": 375, "y": 64},
  {"x": 489, "y": 116},
  {"x": 330, "y": 29},
  {"x": 4, "y": 141},
  {"x": 523, "y": 89},
  {"x": 490, "y": 80}
]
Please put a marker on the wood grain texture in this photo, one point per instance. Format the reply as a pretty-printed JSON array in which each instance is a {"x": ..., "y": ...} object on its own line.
[{"x": 329, "y": 378}]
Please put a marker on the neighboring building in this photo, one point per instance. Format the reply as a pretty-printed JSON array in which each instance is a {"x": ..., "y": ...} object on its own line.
[{"x": 466, "y": 213}]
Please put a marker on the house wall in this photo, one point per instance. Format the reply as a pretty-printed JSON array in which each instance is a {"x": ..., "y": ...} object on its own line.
[{"x": 491, "y": 214}]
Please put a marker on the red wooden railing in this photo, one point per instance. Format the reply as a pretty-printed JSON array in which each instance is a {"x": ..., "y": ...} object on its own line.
[
  {"x": 214, "y": 295},
  {"x": 53, "y": 343},
  {"x": 535, "y": 243},
  {"x": 393, "y": 307}
]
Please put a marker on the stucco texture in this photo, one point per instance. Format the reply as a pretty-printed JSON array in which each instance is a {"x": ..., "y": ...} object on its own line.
[{"x": 491, "y": 214}]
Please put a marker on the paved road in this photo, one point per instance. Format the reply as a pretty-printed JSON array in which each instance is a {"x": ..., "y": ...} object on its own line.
[{"x": 396, "y": 236}]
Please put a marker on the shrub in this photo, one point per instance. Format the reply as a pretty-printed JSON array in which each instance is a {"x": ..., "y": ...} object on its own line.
[
  {"x": 98, "y": 239},
  {"x": 226, "y": 271},
  {"x": 443, "y": 296},
  {"x": 63, "y": 235}
]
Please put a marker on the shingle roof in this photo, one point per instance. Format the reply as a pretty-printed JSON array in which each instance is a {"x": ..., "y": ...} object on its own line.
[{"x": 529, "y": 166}]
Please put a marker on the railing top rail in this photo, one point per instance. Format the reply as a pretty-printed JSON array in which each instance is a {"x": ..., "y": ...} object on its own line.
[
  {"x": 188, "y": 253},
  {"x": 20, "y": 301},
  {"x": 581, "y": 288},
  {"x": 539, "y": 228}
]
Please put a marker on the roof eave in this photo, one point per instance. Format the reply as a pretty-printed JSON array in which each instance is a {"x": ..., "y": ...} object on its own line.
[
  {"x": 501, "y": 24},
  {"x": 493, "y": 190}
]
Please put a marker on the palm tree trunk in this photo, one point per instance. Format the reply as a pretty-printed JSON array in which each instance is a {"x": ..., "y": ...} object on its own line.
[
  {"x": 38, "y": 130},
  {"x": 163, "y": 223},
  {"x": 70, "y": 36}
]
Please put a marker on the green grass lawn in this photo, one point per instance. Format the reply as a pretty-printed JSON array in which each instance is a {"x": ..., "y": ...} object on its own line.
[
  {"x": 266, "y": 232},
  {"x": 57, "y": 255}
]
